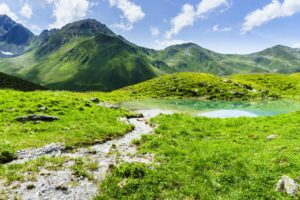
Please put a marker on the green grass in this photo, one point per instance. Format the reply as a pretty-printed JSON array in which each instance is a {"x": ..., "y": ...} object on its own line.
[
  {"x": 284, "y": 85},
  {"x": 201, "y": 158},
  {"x": 196, "y": 158},
  {"x": 81, "y": 122},
  {"x": 207, "y": 86},
  {"x": 29, "y": 170}
]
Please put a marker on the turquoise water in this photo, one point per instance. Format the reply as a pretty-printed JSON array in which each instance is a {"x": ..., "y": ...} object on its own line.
[{"x": 218, "y": 109}]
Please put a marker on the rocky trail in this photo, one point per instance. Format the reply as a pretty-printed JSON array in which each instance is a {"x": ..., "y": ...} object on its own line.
[{"x": 63, "y": 184}]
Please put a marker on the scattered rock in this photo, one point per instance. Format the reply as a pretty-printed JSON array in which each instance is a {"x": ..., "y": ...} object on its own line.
[
  {"x": 34, "y": 118},
  {"x": 108, "y": 105},
  {"x": 30, "y": 187},
  {"x": 238, "y": 94},
  {"x": 66, "y": 129},
  {"x": 62, "y": 184},
  {"x": 43, "y": 108},
  {"x": 62, "y": 188},
  {"x": 111, "y": 166},
  {"x": 271, "y": 137},
  {"x": 50, "y": 149},
  {"x": 88, "y": 105},
  {"x": 248, "y": 87},
  {"x": 95, "y": 100},
  {"x": 288, "y": 185},
  {"x": 227, "y": 81},
  {"x": 135, "y": 115},
  {"x": 92, "y": 152},
  {"x": 122, "y": 184}
]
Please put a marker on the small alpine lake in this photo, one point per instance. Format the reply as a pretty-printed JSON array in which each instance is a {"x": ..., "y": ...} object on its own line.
[{"x": 213, "y": 109}]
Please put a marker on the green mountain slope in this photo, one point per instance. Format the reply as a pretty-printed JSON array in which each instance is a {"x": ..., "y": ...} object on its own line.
[
  {"x": 86, "y": 55},
  {"x": 193, "y": 58},
  {"x": 190, "y": 57},
  {"x": 278, "y": 59},
  {"x": 11, "y": 82},
  {"x": 82, "y": 56}
]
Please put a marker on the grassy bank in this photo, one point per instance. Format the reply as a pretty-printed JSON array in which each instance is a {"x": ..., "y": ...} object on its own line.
[
  {"x": 80, "y": 121},
  {"x": 201, "y": 158},
  {"x": 207, "y": 86}
]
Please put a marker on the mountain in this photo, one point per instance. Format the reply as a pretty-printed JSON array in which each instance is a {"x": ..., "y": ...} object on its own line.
[
  {"x": 11, "y": 82},
  {"x": 83, "y": 55},
  {"x": 14, "y": 37},
  {"x": 86, "y": 55},
  {"x": 279, "y": 59},
  {"x": 58, "y": 38},
  {"x": 193, "y": 58},
  {"x": 6, "y": 24}
]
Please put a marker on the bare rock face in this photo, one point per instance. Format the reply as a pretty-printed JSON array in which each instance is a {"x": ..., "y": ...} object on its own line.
[
  {"x": 288, "y": 185},
  {"x": 34, "y": 118}
]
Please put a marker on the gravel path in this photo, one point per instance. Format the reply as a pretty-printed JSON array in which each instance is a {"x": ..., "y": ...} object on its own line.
[{"x": 63, "y": 184}]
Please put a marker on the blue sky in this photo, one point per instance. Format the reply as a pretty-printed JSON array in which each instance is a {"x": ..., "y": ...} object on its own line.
[{"x": 227, "y": 26}]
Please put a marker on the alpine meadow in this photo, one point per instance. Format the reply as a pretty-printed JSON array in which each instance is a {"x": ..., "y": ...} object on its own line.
[{"x": 149, "y": 100}]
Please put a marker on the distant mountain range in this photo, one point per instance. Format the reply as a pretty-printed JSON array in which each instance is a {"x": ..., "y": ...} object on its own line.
[
  {"x": 86, "y": 55},
  {"x": 14, "y": 37}
]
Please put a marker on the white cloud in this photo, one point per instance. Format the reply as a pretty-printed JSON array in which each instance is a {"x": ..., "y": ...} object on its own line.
[
  {"x": 216, "y": 28},
  {"x": 159, "y": 45},
  {"x": 189, "y": 14},
  {"x": 131, "y": 12},
  {"x": 154, "y": 31},
  {"x": 26, "y": 11},
  {"x": 66, "y": 11},
  {"x": 269, "y": 12},
  {"x": 184, "y": 19},
  {"x": 34, "y": 28},
  {"x": 5, "y": 10},
  {"x": 206, "y": 6}
]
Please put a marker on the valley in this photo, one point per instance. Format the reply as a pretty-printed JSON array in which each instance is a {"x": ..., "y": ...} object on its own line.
[
  {"x": 87, "y": 114},
  {"x": 87, "y": 56},
  {"x": 100, "y": 147}
]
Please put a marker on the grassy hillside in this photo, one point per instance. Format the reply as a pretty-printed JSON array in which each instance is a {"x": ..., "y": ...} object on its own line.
[
  {"x": 283, "y": 85},
  {"x": 87, "y": 63},
  {"x": 80, "y": 121},
  {"x": 195, "y": 157},
  {"x": 82, "y": 56},
  {"x": 207, "y": 86},
  {"x": 11, "y": 82},
  {"x": 201, "y": 158},
  {"x": 88, "y": 56},
  {"x": 193, "y": 58}
]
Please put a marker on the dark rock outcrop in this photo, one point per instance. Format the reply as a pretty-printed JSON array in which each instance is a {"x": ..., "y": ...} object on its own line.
[{"x": 33, "y": 118}]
